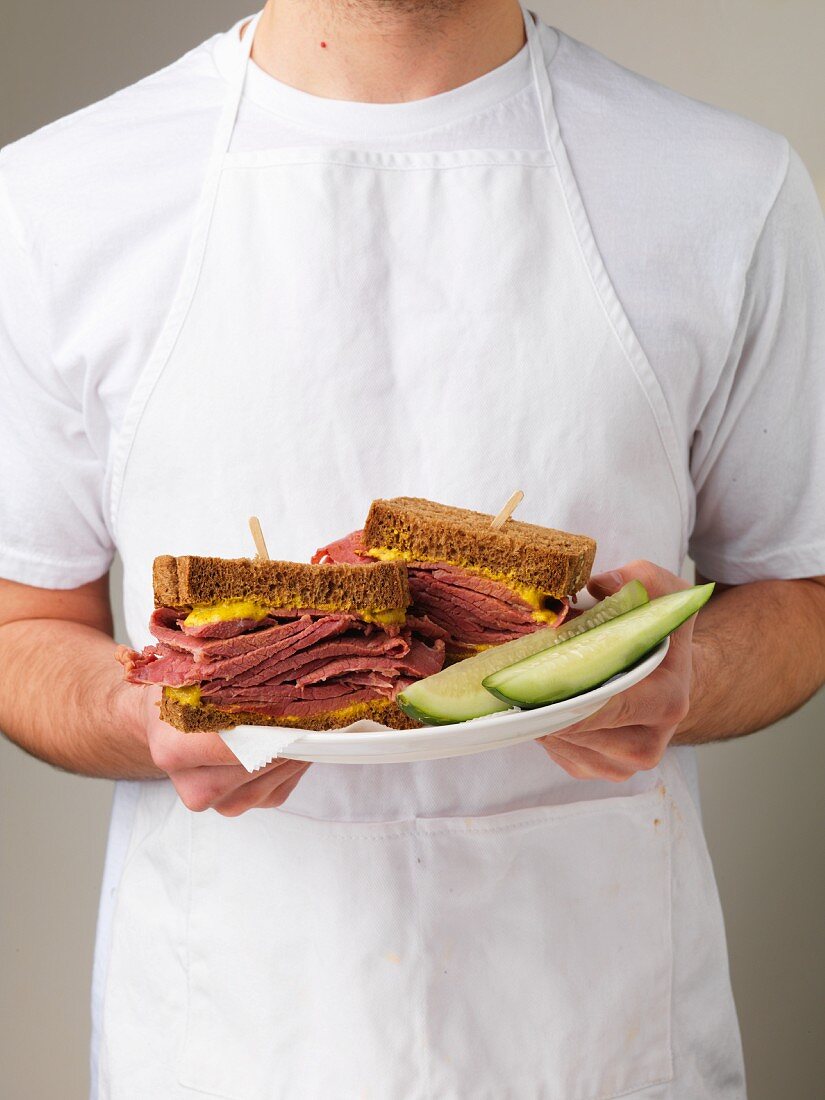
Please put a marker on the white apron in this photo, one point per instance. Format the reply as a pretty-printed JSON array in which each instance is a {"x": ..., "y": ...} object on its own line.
[{"x": 355, "y": 324}]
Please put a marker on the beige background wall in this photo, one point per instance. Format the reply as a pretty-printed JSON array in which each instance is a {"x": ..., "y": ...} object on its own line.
[{"x": 762, "y": 797}]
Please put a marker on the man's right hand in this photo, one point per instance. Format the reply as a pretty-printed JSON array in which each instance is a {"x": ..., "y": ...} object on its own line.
[
  {"x": 207, "y": 775},
  {"x": 63, "y": 699}
]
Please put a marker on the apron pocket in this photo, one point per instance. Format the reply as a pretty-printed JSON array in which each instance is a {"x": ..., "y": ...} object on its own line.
[
  {"x": 547, "y": 939},
  {"x": 519, "y": 955}
]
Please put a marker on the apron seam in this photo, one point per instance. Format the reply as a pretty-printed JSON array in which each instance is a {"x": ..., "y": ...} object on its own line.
[
  {"x": 420, "y": 826},
  {"x": 216, "y": 1093},
  {"x": 392, "y": 167},
  {"x": 633, "y": 1088}
]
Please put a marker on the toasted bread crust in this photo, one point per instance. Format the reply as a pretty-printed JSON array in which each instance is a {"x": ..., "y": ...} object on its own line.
[
  {"x": 555, "y": 562},
  {"x": 207, "y": 717},
  {"x": 185, "y": 582}
]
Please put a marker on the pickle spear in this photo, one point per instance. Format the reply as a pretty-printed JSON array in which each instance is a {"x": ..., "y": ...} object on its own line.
[{"x": 583, "y": 663}]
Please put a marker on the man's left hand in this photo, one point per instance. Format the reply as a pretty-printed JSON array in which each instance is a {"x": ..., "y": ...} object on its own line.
[{"x": 631, "y": 732}]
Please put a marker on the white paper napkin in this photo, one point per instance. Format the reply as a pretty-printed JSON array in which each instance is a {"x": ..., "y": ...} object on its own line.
[{"x": 257, "y": 746}]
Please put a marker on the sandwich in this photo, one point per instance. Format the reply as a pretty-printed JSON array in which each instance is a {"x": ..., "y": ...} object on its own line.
[
  {"x": 481, "y": 585},
  {"x": 255, "y": 642}
]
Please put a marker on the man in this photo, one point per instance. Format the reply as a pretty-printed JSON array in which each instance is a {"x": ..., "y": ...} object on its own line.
[{"x": 363, "y": 247}]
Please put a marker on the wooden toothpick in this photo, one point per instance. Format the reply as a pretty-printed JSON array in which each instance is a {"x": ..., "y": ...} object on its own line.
[
  {"x": 258, "y": 536},
  {"x": 507, "y": 510}
]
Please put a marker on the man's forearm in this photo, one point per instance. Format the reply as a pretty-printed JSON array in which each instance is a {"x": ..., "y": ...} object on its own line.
[
  {"x": 63, "y": 699},
  {"x": 758, "y": 654}
]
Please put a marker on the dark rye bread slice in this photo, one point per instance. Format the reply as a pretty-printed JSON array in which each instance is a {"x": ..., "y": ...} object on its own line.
[
  {"x": 187, "y": 582},
  {"x": 206, "y": 717},
  {"x": 555, "y": 562}
]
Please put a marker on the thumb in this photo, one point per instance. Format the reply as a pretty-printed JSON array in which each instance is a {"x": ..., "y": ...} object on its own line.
[
  {"x": 605, "y": 584},
  {"x": 657, "y": 580}
]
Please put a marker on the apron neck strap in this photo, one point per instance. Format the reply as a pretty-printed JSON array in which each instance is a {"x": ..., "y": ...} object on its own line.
[
  {"x": 237, "y": 80},
  {"x": 541, "y": 78}
]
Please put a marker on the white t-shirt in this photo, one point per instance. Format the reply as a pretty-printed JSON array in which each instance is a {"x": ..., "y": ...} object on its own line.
[{"x": 708, "y": 225}]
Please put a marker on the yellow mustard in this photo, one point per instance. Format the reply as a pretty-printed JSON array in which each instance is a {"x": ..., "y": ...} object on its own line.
[
  {"x": 224, "y": 610},
  {"x": 397, "y": 615},
  {"x": 189, "y": 695},
  {"x": 251, "y": 609}
]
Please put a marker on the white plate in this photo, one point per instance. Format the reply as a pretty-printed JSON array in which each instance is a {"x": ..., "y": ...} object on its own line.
[{"x": 371, "y": 743}]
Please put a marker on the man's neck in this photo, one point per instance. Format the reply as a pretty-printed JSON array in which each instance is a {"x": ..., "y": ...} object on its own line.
[{"x": 385, "y": 51}]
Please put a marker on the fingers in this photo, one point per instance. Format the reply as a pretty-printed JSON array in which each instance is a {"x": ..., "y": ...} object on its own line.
[
  {"x": 271, "y": 789},
  {"x": 585, "y": 763},
  {"x": 283, "y": 792},
  {"x": 660, "y": 700},
  {"x": 657, "y": 581},
  {"x": 572, "y": 769},
  {"x": 613, "y": 714},
  {"x": 202, "y": 788},
  {"x": 634, "y": 748},
  {"x": 605, "y": 584},
  {"x": 206, "y": 774},
  {"x": 630, "y": 732}
]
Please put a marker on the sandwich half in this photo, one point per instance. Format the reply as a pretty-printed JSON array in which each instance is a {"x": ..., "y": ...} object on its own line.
[
  {"x": 482, "y": 586},
  {"x": 281, "y": 643}
]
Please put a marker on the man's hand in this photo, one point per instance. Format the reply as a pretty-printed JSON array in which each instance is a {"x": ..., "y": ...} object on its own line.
[
  {"x": 631, "y": 732},
  {"x": 205, "y": 773}
]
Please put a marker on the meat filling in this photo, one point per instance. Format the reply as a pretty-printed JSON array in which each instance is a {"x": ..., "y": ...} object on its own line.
[
  {"x": 294, "y": 662},
  {"x": 473, "y": 610}
]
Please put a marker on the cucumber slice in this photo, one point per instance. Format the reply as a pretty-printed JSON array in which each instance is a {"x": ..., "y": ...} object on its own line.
[
  {"x": 583, "y": 663},
  {"x": 456, "y": 694}
]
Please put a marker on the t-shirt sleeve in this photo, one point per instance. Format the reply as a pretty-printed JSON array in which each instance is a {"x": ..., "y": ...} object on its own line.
[
  {"x": 53, "y": 532},
  {"x": 758, "y": 453}
]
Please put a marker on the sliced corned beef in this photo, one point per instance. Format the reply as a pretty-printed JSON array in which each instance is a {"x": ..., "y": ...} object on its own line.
[
  {"x": 349, "y": 549},
  {"x": 469, "y": 609},
  {"x": 286, "y": 664},
  {"x": 303, "y": 665},
  {"x": 158, "y": 664},
  {"x": 276, "y": 645},
  {"x": 426, "y": 628}
]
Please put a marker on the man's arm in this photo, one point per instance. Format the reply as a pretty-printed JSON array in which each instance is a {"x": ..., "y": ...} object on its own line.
[
  {"x": 62, "y": 694},
  {"x": 64, "y": 700},
  {"x": 758, "y": 655},
  {"x": 753, "y": 654}
]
